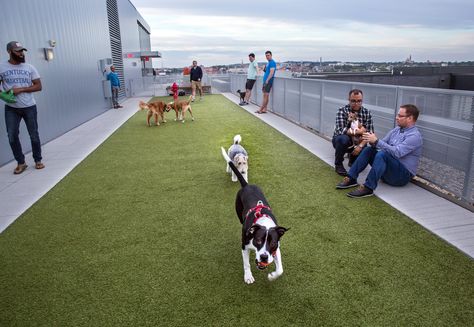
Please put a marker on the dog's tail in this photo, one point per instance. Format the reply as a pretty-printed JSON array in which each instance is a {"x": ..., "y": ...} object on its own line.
[
  {"x": 189, "y": 100},
  {"x": 241, "y": 178},
  {"x": 237, "y": 139}
]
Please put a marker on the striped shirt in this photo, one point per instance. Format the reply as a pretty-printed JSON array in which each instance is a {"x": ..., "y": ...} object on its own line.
[{"x": 342, "y": 120}]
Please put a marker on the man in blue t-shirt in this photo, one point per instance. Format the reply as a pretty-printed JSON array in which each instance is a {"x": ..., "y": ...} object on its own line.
[
  {"x": 267, "y": 81},
  {"x": 115, "y": 84}
]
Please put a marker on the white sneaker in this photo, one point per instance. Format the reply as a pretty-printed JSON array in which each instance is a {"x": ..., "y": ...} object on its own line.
[{"x": 192, "y": 100}]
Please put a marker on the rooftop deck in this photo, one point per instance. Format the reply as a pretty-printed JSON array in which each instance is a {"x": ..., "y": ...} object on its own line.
[{"x": 17, "y": 193}]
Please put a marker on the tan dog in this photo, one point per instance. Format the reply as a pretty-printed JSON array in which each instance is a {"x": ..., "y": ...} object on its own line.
[
  {"x": 180, "y": 107},
  {"x": 355, "y": 133},
  {"x": 155, "y": 109}
]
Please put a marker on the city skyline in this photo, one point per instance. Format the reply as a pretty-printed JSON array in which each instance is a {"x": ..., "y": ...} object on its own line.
[{"x": 217, "y": 33}]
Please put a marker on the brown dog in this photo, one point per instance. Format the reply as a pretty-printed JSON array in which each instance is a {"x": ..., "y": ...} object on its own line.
[
  {"x": 355, "y": 133},
  {"x": 180, "y": 107},
  {"x": 154, "y": 109}
]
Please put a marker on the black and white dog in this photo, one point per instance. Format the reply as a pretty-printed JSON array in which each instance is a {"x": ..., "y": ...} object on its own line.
[
  {"x": 260, "y": 231},
  {"x": 240, "y": 158}
]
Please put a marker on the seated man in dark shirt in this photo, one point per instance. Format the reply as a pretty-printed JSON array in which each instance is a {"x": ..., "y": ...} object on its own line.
[{"x": 342, "y": 140}]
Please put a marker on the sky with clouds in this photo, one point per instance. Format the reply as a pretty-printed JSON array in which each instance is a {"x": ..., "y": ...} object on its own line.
[{"x": 224, "y": 32}]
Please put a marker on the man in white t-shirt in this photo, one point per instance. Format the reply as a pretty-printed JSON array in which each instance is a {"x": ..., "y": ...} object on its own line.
[
  {"x": 251, "y": 78},
  {"x": 23, "y": 79}
]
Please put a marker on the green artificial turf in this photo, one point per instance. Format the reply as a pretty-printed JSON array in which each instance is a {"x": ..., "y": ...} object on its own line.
[{"x": 143, "y": 233}]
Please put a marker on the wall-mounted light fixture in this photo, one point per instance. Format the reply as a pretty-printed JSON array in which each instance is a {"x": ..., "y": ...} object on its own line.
[
  {"x": 48, "y": 54},
  {"x": 52, "y": 43}
]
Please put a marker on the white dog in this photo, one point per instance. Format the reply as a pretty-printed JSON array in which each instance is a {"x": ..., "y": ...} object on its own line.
[{"x": 239, "y": 157}]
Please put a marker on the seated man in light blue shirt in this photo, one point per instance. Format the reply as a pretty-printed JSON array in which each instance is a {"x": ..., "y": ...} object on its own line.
[{"x": 394, "y": 158}]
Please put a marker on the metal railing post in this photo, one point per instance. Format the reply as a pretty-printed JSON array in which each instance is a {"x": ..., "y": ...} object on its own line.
[
  {"x": 301, "y": 100},
  {"x": 321, "y": 101},
  {"x": 398, "y": 94},
  {"x": 467, "y": 189}
]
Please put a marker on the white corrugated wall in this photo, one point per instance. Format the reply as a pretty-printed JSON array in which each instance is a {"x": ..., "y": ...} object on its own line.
[{"x": 72, "y": 82}]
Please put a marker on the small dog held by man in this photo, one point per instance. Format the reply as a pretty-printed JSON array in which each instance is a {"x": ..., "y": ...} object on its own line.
[
  {"x": 260, "y": 230},
  {"x": 155, "y": 109},
  {"x": 353, "y": 131},
  {"x": 239, "y": 157}
]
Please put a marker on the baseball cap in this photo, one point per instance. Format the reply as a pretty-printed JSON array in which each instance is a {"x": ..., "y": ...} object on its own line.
[{"x": 15, "y": 46}]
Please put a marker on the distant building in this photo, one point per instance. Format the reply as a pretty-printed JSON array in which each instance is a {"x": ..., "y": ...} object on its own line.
[{"x": 442, "y": 76}]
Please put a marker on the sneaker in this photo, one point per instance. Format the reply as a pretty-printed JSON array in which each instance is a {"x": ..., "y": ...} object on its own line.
[
  {"x": 242, "y": 103},
  {"x": 119, "y": 106},
  {"x": 361, "y": 192},
  {"x": 340, "y": 170},
  {"x": 347, "y": 182},
  {"x": 192, "y": 99}
]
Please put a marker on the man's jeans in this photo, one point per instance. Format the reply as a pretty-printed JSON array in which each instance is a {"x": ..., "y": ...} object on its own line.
[
  {"x": 115, "y": 94},
  {"x": 341, "y": 143},
  {"x": 384, "y": 166},
  {"x": 13, "y": 118}
]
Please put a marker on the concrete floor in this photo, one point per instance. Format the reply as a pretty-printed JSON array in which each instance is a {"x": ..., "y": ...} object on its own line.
[{"x": 18, "y": 192}]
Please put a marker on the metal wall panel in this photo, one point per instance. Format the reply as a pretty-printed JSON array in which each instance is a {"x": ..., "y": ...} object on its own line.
[
  {"x": 72, "y": 88},
  {"x": 130, "y": 43},
  {"x": 72, "y": 82}
]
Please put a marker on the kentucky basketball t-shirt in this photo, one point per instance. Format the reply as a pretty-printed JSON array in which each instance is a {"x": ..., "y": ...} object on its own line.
[{"x": 20, "y": 75}]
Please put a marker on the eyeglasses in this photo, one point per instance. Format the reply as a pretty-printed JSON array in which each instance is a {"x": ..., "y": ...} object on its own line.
[{"x": 356, "y": 101}]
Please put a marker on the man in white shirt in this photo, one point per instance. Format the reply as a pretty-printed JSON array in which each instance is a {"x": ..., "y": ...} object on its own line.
[
  {"x": 251, "y": 78},
  {"x": 23, "y": 79}
]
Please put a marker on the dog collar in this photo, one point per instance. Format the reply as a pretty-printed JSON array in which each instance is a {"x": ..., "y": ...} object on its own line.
[{"x": 257, "y": 211}]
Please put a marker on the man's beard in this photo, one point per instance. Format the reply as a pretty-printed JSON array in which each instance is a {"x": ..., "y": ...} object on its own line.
[{"x": 17, "y": 58}]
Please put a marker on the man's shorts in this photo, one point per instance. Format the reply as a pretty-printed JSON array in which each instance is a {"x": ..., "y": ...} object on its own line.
[
  {"x": 249, "y": 84},
  {"x": 194, "y": 84},
  {"x": 267, "y": 87}
]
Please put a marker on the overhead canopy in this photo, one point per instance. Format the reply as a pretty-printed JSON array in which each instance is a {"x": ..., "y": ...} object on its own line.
[{"x": 143, "y": 55}]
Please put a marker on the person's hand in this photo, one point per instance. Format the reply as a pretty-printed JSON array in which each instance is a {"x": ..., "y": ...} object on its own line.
[
  {"x": 369, "y": 137},
  {"x": 17, "y": 90}
]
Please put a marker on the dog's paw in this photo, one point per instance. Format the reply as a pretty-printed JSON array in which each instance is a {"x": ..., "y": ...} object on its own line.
[
  {"x": 164, "y": 121},
  {"x": 274, "y": 275},
  {"x": 248, "y": 278},
  {"x": 193, "y": 118},
  {"x": 234, "y": 178}
]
